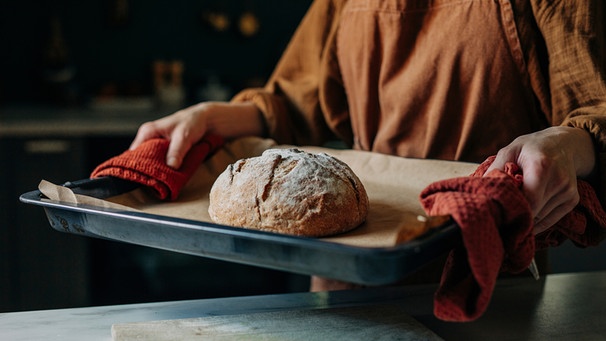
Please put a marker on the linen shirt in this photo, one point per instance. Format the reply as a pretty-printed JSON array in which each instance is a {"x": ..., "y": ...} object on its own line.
[{"x": 444, "y": 79}]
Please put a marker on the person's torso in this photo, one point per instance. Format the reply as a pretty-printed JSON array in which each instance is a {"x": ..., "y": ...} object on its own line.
[{"x": 441, "y": 79}]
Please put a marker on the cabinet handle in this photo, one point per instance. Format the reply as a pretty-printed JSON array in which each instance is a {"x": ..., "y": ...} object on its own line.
[{"x": 46, "y": 146}]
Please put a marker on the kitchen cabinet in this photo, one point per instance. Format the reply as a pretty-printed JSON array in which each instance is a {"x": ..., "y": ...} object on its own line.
[
  {"x": 5, "y": 237},
  {"x": 41, "y": 268}
]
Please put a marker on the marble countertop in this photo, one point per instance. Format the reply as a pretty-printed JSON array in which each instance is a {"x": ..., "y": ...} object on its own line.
[{"x": 557, "y": 307}]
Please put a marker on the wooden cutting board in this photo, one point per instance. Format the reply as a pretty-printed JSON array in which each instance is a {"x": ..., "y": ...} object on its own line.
[{"x": 379, "y": 322}]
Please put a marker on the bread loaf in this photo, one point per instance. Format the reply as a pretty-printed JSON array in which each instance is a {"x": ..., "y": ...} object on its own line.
[{"x": 289, "y": 191}]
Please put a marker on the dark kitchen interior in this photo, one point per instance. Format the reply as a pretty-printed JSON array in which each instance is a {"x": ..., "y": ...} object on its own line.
[
  {"x": 74, "y": 61},
  {"x": 80, "y": 59}
]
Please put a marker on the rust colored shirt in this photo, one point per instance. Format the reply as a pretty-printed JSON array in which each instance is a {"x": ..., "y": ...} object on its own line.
[{"x": 443, "y": 79}]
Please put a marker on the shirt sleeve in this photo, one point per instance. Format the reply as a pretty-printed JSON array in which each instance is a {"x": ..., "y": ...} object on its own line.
[
  {"x": 304, "y": 102},
  {"x": 574, "y": 34}
]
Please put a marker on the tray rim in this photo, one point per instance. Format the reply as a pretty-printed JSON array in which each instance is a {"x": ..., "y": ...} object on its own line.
[
  {"x": 390, "y": 256},
  {"x": 35, "y": 197}
]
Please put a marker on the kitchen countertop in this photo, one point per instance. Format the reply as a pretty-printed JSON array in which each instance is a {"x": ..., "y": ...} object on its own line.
[
  {"x": 32, "y": 120},
  {"x": 558, "y": 307}
]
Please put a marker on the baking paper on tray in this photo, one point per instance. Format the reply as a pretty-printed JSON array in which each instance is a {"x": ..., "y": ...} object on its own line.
[{"x": 393, "y": 185}]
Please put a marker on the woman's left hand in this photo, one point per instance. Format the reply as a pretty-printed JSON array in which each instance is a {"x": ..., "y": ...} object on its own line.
[{"x": 551, "y": 160}]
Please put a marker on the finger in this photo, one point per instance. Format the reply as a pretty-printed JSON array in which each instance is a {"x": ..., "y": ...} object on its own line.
[
  {"x": 552, "y": 218},
  {"x": 177, "y": 149},
  {"x": 560, "y": 204},
  {"x": 502, "y": 158},
  {"x": 146, "y": 131},
  {"x": 535, "y": 190},
  {"x": 546, "y": 214},
  {"x": 567, "y": 195},
  {"x": 551, "y": 198}
]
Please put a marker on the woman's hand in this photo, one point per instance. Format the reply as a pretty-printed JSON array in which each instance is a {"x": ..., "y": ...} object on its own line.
[
  {"x": 186, "y": 127},
  {"x": 551, "y": 160}
]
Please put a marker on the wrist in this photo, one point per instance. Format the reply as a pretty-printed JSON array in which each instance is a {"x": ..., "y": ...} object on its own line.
[
  {"x": 584, "y": 156},
  {"x": 233, "y": 120}
]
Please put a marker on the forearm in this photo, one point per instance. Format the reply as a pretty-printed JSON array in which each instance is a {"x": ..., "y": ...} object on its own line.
[{"x": 233, "y": 120}]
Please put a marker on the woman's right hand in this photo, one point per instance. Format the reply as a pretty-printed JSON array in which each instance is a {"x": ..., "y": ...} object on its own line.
[{"x": 186, "y": 127}]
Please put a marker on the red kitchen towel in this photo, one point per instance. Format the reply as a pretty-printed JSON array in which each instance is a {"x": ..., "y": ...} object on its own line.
[
  {"x": 496, "y": 226},
  {"x": 147, "y": 165}
]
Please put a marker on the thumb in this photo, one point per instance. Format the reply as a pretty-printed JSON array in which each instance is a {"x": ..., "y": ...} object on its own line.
[
  {"x": 499, "y": 162},
  {"x": 145, "y": 132}
]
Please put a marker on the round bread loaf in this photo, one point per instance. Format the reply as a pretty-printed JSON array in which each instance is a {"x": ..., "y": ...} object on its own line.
[{"x": 289, "y": 191}]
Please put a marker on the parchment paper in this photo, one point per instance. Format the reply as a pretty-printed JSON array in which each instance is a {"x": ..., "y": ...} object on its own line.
[{"x": 393, "y": 185}]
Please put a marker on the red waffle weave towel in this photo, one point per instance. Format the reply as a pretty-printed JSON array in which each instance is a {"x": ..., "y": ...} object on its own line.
[
  {"x": 496, "y": 226},
  {"x": 147, "y": 165}
]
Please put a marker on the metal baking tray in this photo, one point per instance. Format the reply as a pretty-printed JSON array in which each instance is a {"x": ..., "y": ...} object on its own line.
[{"x": 308, "y": 256}]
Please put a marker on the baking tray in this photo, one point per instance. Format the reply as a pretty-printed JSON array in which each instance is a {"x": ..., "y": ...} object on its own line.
[{"x": 308, "y": 256}]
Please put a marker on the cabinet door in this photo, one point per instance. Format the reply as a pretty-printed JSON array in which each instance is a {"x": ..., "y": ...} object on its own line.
[
  {"x": 49, "y": 269},
  {"x": 5, "y": 236}
]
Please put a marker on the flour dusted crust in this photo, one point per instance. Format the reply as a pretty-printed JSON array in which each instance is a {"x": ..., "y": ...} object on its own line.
[{"x": 289, "y": 191}]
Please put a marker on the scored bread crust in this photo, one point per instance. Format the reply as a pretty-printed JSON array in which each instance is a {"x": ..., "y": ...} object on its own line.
[{"x": 289, "y": 191}]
